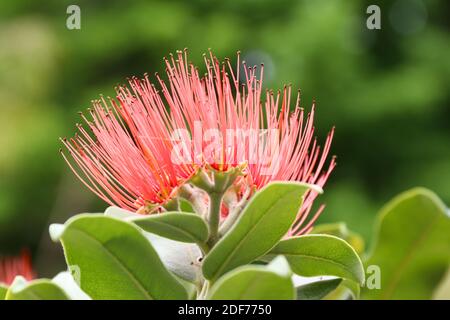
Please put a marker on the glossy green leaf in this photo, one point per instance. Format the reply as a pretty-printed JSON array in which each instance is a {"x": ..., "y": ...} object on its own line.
[
  {"x": 319, "y": 255},
  {"x": 317, "y": 290},
  {"x": 3, "y": 290},
  {"x": 42, "y": 289},
  {"x": 115, "y": 260},
  {"x": 178, "y": 226},
  {"x": 352, "y": 287},
  {"x": 178, "y": 257},
  {"x": 356, "y": 241},
  {"x": 252, "y": 282},
  {"x": 185, "y": 206},
  {"x": 412, "y": 246},
  {"x": 263, "y": 222},
  {"x": 347, "y": 289},
  {"x": 340, "y": 230}
]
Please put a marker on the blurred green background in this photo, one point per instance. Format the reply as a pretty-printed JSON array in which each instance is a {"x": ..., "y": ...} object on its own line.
[{"x": 386, "y": 91}]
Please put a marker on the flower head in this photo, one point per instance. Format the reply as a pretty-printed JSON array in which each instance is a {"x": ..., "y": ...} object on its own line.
[
  {"x": 10, "y": 267},
  {"x": 149, "y": 141}
]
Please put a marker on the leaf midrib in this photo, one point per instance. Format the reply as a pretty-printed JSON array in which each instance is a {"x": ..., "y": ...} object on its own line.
[
  {"x": 119, "y": 262},
  {"x": 230, "y": 256}
]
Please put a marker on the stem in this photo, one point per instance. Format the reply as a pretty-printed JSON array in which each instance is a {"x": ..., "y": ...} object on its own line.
[
  {"x": 194, "y": 195},
  {"x": 204, "y": 247},
  {"x": 215, "y": 185},
  {"x": 214, "y": 216},
  {"x": 204, "y": 291}
]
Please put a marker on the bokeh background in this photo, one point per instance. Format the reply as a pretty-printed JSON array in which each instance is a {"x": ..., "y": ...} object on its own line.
[{"x": 386, "y": 91}]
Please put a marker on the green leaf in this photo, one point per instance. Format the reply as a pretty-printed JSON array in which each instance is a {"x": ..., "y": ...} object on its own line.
[
  {"x": 412, "y": 246},
  {"x": 353, "y": 288},
  {"x": 252, "y": 282},
  {"x": 115, "y": 260},
  {"x": 42, "y": 289},
  {"x": 317, "y": 290},
  {"x": 340, "y": 230},
  {"x": 263, "y": 222},
  {"x": 321, "y": 255},
  {"x": 356, "y": 241},
  {"x": 3, "y": 290},
  {"x": 178, "y": 226},
  {"x": 185, "y": 206},
  {"x": 178, "y": 257}
]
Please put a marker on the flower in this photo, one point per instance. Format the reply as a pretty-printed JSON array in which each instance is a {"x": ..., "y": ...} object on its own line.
[
  {"x": 125, "y": 167},
  {"x": 148, "y": 142},
  {"x": 10, "y": 267}
]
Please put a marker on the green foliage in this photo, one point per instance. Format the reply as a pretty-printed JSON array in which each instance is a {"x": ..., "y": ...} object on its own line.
[
  {"x": 340, "y": 230},
  {"x": 263, "y": 222},
  {"x": 318, "y": 255},
  {"x": 3, "y": 290},
  {"x": 111, "y": 257},
  {"x": 178, "y": 257},
  {"x": 42, "y": 289},
  {"x": 317, "y": 290},
  {"x": 387, "y": 93},
  {"x": 115, "y": 260},
  {"x": 412, "y": 246},
  {"x": 178, "y": 226},
  {"x": 186, "y": 206},
  {"x": 271, "y": 282}
]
